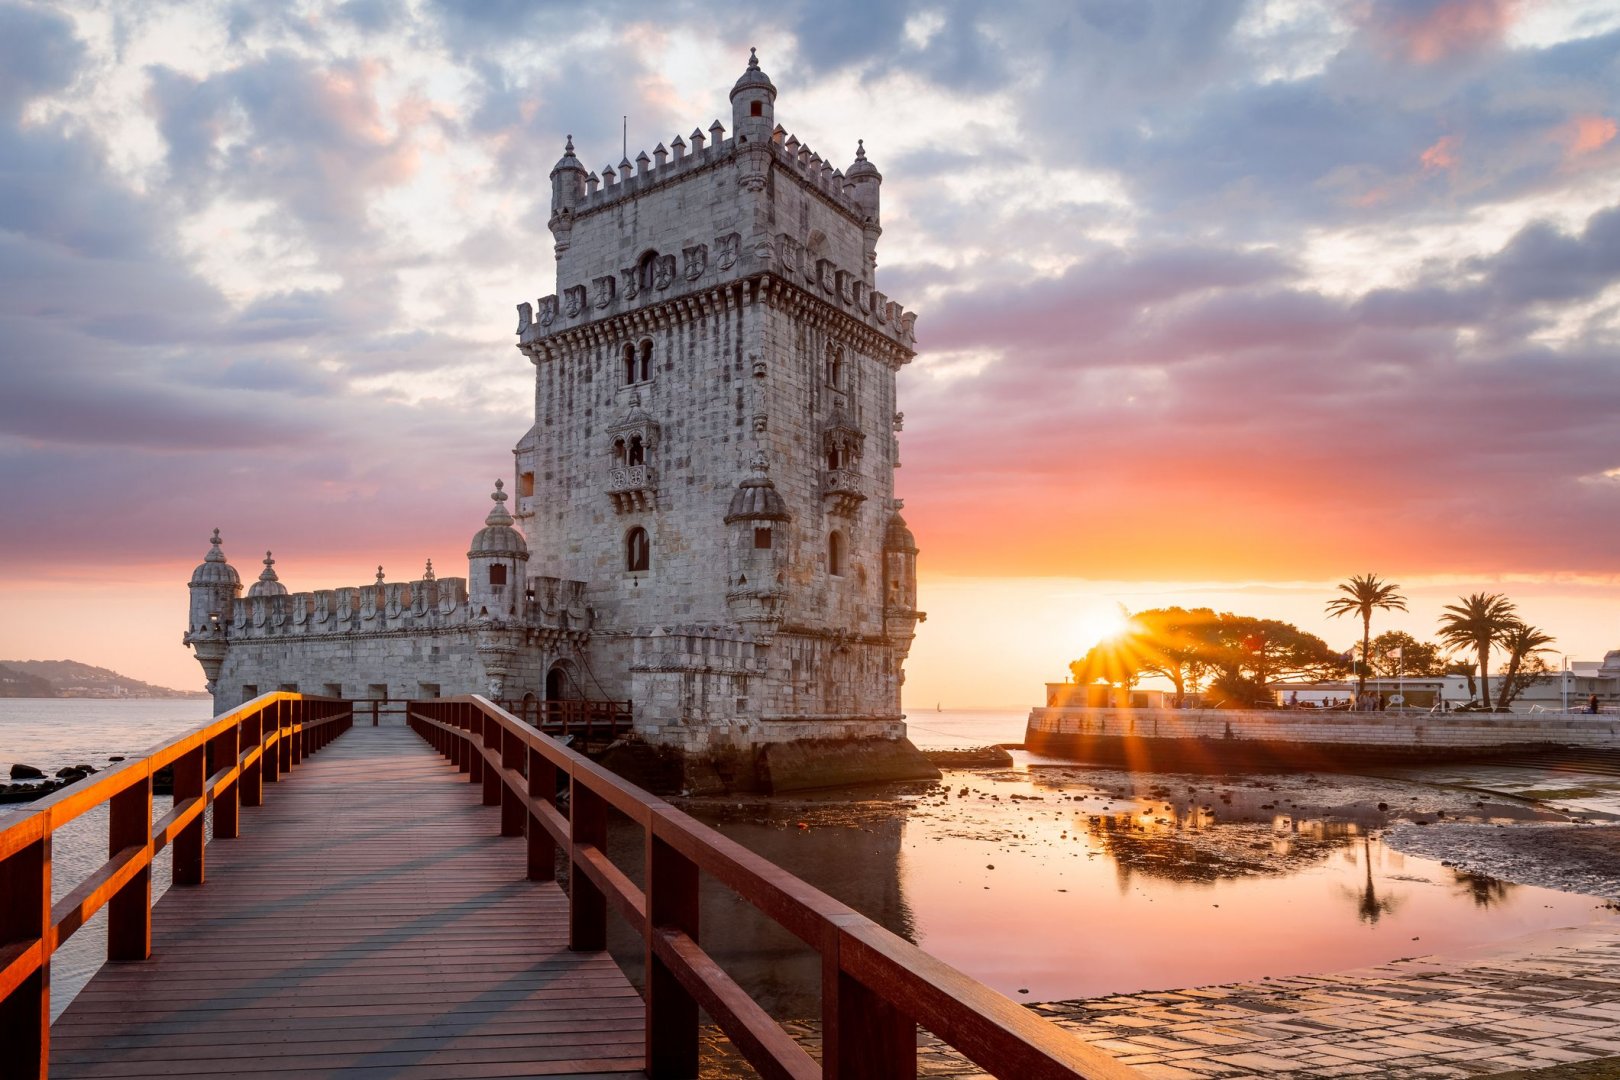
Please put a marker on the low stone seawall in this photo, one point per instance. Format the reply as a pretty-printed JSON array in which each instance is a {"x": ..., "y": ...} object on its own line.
[{"x": 1179, "y": 739}]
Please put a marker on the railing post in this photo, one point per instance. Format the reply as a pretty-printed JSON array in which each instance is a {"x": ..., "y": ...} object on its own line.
[
  {"x": 270, "y": 722},
  {"x": 490, "y": 728},
  {"x": 189, "y": 782},
  {"x": 25, "y": 915},
  {"x": 542, "y": 848},
  {"x": 513, "y": 815},
  {"x": 284, "y": 747},
  {"x": 225, "y": 749},
  {"x": 251, "y": 735},
  {"x": 129, "y": 912},
  {"x": 672, "y": 1013},
  {"x": 587, "y": 907},
  {"x": 468, "y": 722},
  {"x": 864, "y": 1037},
  {"x": 293, "y": 729}
]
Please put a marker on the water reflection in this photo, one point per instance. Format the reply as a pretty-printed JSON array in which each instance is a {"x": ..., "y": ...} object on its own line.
[
  {"x": 1370, "y": 907},
  {"x": 1066, "y": 886}
]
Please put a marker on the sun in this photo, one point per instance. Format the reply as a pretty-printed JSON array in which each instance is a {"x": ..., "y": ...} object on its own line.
[{"x": 1100, "y": 623}]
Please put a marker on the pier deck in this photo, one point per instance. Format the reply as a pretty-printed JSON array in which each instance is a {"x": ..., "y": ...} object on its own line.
[{"x": 368, "y": 922}]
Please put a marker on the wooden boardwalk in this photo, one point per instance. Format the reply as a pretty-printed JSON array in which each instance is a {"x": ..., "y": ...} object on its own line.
[{"x": 370, "y": 922}]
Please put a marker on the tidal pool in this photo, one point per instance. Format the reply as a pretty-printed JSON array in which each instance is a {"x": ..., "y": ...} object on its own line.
[{"x": 1063, "y": 882}]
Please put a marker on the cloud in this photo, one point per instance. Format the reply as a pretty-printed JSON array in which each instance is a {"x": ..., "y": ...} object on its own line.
[{"x": 39, "y": 53}]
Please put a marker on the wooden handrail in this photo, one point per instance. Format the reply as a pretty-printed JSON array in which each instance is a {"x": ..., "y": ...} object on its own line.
[
  {"x": 876, "y": 987},
  {"x": 249, "y": 745}
]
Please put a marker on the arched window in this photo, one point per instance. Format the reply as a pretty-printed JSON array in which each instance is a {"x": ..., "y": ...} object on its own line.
[
  {"x": 497, "y": 574},
  {"x": 646, "y": 360},
  {"x": 756, "y": 108},
  {"x": 638, "y": 455},
  {"x": 835, "y": 366},
  {"x": 833, "y": 458},
  {"x": 619, "y": 455},
  {"x": 762, "y": 537},
  {"x": 629, "y": 364},
  {"x": 644, "y": 270},
  {"x": 637, "y": 550},
  {"x": 835, "y": 553}
]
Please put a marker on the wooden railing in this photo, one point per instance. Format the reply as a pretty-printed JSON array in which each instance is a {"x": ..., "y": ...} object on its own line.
[
  {"x": 224, "y": 764},
  {"x": 876, "y": 988},
  {"x": 590, "y": 720}
]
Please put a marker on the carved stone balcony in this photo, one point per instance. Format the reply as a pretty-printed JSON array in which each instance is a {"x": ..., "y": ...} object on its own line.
[
  {"x": 841, "y": 488},
  {"x": 632, "y": 487}
]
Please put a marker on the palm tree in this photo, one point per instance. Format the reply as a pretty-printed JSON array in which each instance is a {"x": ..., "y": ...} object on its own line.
[
  {"x": 1363, "y": 592},
  {"x": 1475, "y": 623},
  {"x": 1522, "y": 641}
]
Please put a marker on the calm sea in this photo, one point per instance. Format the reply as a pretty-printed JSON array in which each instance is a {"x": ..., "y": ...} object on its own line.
[{"x": 49, "y": 733}]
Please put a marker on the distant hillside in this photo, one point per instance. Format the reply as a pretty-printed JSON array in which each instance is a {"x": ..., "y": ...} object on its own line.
[
  {"x": 69, "y": 678},
  {"x": 14, "y": 683}
]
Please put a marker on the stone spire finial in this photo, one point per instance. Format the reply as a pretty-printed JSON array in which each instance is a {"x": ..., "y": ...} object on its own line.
[
  {"x": 499, "y": 516},
  {"x": 427, "y": 575},
  {"x": 269, "y": 568},
  {"x": 753, "y": 58},
  {"x": 860, "y": 149},
  {"x": 568, "y": 147},
  {"x": 214, "y": 552},
  {"x": 379, "y": 574}
]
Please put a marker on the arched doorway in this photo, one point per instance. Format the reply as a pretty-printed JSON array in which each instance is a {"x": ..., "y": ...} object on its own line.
[{"x": 557, "y": 688}]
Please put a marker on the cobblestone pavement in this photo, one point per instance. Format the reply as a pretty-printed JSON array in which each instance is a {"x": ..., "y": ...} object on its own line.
[{"x": 1542, "y": 1000}]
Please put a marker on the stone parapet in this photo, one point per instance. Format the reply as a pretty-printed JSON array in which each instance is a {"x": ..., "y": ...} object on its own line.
[{"x": 1174, "y": 740}]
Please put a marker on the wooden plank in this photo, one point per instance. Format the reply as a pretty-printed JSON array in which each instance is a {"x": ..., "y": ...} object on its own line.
[{"x": 369, "y": 921}]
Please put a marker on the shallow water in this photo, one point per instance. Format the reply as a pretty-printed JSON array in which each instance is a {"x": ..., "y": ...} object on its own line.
[{"x": 1048, "y": 884}]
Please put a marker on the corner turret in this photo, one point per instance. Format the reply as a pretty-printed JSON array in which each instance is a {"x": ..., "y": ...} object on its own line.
[
  {"x": 497, "y": 563},
  {"x": 214, "y": 586},
  {"x": 753, "y": 104},
  {"x": 567, "y": 192},
  {"x": 900, "y": 614},
  {"x": 862, "y": 181}
]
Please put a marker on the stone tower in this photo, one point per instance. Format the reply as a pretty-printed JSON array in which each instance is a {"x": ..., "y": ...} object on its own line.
[{"x": 714, "y": 443}]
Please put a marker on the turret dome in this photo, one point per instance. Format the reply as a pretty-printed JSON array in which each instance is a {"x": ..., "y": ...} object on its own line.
[
  {"x": 757, "y": 498},
  {"x": 568, "y": 162},
  {"x": 753, "y": 79},
  {"x": 214, "y": 570},
  {"x": 268, "y": 584},
  {"x": 897, "y": 536},
  {"x": 861, "y": 167},
  {"x": 498, "y": 537}
]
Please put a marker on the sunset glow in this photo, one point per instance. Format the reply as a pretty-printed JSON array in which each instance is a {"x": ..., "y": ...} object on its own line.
[{"x": 1217, "y": 304}]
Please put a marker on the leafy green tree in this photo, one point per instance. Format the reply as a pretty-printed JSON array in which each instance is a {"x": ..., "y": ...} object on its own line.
[
  {"x": 1523, "y": 643},
  {"x": 1249, "y": 654},
  {"x": 1363, "y": 593},
  {"x": 1171, "y": 642},
  {"x": 1418, "y": 659},
  {"x": 1477, "y": 622}
]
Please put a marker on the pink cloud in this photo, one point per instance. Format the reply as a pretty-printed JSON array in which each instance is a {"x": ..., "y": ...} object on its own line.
[
  {"x": 1428, "y": 31},
  {"x": 1442, "y": 156}
]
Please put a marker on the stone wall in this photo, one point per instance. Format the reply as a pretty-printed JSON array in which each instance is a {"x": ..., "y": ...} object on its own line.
[{"x": 1171, "y": 738}]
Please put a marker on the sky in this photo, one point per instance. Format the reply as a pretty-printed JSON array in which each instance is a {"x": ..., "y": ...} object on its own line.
[{"x": 1220, "y": 301}]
